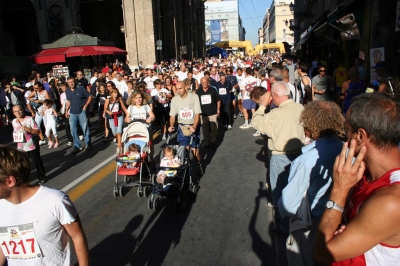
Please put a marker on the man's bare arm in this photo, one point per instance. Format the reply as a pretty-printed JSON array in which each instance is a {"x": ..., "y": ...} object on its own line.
[{"x": 75, "y": 231}]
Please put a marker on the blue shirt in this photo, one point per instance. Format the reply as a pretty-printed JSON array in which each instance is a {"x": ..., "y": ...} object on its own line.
[
  {"x": 224, "y": 90},
  {"x": 77, "y": 99},
  {"x": 311, "y": 171}
]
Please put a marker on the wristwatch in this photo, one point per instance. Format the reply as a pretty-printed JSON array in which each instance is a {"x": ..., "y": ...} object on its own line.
[{"x": 330, "y": 204}]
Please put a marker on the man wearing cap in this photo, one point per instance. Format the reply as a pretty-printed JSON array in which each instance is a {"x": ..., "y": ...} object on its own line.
[
  {"x": 210, "y": 109},
  {"x": 225, "y": 91},
  {"x": 187, "y": 107},
  {"x": 197, "y": 74}
]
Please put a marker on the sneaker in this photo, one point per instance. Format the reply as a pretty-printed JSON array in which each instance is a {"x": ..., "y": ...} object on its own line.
[
  {"x": 76, "y": 150},
  {"x": 250, "y": 125},
  {"x": 164, "y": 137},
  {"x": 55, "y": 145},
  {"x": 42, "y": 142},
  {"x": 81, "y": 137},
  {"x": 270, "y": 204},
  {"x": 244, "y": 126},
  {"x": 118, "y": 151},
  {"x": 51, "y": 144},
  {"x": 234, "y": 116},
  {"x": 115, "y": 140},
  {"x": 241, "y": 114},
  {"x": 229, "y": 127},
  {"x": 257, "y": 134},
  {"x": 87, "y": 148},
  {"x": 69, "y": 143}
]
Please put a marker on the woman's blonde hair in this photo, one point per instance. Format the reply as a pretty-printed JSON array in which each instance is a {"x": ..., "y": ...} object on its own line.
[{"x": 146, "y": 98}]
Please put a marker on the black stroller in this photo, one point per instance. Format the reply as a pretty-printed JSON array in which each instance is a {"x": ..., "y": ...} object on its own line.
[{"x": 180, "y": 182}]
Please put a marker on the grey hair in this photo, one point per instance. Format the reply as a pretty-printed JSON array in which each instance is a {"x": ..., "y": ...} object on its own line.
[
  {"x": 281, "y": 88},
  {"x": 277, "y": 74}
]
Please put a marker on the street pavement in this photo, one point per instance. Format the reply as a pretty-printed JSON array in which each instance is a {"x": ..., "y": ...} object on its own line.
[{"x": 226, "y": 223}]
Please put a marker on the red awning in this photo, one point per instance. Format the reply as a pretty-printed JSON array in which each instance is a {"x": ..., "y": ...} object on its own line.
[{"x": 60, "y": 54}]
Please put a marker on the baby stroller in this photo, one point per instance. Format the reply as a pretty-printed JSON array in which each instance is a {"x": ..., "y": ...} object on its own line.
[
  {"x": 179, "y": 183},
  {"x": 140, "y": 176}
]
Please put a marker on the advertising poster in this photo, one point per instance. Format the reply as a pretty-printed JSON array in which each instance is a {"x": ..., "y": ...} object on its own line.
[
  {"x": 376, "y": 55},
  {"x": 216, "y": 31}
]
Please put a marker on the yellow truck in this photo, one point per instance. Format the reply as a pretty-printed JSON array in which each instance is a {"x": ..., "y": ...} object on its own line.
[{"x": 249, "y": 46}]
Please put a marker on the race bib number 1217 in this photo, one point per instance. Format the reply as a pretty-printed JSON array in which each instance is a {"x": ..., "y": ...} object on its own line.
[{"x": 19, "y": 242}]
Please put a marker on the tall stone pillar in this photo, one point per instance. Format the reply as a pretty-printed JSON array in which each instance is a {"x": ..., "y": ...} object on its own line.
[
  {"x": 139, "y": 31},
  {"x": 41, "y": 17}
]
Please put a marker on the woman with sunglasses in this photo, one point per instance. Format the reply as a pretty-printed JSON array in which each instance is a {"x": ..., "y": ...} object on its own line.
[
  {"x": 114, "y": 110},
  {"x": 170, "y": 86}
]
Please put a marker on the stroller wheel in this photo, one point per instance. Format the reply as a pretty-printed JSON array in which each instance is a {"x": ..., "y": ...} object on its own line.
[
  {"x": 115, "y": 191},
  {"x": 157, "y": 204},
  {"x": 150, "y": 204},
  {"x": 139, "y": 192},
  {"x": 146, "y": 191},
  {"x": 153, "y": 178},
  {"x": 122, "y": 191}
]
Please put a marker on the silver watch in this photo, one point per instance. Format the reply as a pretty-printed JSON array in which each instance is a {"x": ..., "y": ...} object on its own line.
[{"x": 330, "y": 204}]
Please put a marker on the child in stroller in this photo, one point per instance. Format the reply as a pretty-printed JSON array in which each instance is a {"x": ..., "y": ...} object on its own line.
[
  {"x": 170, "y": 160},
  {"x": 132, "y": 153}
]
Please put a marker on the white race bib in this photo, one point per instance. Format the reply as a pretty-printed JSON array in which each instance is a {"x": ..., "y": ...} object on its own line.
[
  {"x": 205, "y": 99},
  {"x": 19, "y": 242},
  {"x": 186, "y": 113},
  {"x": 222, "y": 91},
  {"x": 18, "y": 136}
]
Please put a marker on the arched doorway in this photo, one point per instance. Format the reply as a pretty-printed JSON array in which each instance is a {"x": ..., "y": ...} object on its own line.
[{"x": 19, "y": 27}]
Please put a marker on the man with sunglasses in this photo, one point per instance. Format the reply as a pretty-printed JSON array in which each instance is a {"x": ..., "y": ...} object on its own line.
[{"x": 321, "y": 85}]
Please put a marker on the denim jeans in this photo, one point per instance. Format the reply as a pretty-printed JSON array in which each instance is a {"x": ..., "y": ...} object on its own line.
[
  {"x": 73, "y": 122},
  {"x": 278, "y": 176}
]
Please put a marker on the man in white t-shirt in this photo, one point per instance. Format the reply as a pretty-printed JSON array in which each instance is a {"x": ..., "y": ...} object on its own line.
[
  {"x": 36, "y": 222},
  {"x": 150, "y": 79},
  {"x": 182, "y": 73},
  {"x": 121, "y": 86},
  {"x": 246, "y": 86}
]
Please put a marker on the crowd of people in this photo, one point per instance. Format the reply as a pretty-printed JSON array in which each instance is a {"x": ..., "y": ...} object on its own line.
[{"x": 333, "y": 142}]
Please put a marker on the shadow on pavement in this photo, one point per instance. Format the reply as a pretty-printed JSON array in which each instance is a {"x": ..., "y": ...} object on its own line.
[
  {"x": 117, "y": 248},
  {"x": 263, "y": 250}
]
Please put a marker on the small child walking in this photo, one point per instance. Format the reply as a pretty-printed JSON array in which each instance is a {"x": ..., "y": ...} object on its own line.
[{"x": 50, "y": 114}]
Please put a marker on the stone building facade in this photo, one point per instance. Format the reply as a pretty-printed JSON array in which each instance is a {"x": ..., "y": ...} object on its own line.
[{"x": 133, "y": 25}]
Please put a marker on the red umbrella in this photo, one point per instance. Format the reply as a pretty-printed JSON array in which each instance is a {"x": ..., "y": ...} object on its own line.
[{"x": 56, "y": 55}]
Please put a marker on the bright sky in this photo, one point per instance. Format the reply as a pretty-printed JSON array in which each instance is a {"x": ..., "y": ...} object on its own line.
[{"x": 252, "y": 13}]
